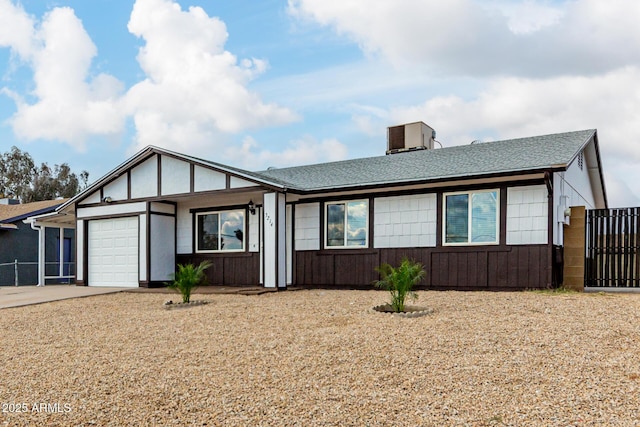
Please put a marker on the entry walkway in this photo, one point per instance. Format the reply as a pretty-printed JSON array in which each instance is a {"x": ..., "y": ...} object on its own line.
[{"x": 16, "y": 296}]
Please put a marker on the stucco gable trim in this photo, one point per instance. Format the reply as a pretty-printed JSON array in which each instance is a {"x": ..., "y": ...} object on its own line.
[{"x": 150, "y": 151}]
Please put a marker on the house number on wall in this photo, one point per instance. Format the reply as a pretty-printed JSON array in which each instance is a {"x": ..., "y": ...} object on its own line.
[{"x": 268, "y": 220}]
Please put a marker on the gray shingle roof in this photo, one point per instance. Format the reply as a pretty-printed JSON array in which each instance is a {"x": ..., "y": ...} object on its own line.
[
  {"x": 544, "y": 152},
  {"x": 498, "y": 157}
]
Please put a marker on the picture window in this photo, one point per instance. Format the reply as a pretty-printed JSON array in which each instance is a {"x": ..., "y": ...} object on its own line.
[
  {"x": 471, "y": 217},
  {"x": 220, "y": 231},
  {"x": 347, "y": 224}
]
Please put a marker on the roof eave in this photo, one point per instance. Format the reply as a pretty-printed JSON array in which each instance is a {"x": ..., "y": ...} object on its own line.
[
  {"x": 32, "y": 213},
  {"x": 604, "y": 189},
  {"x": 437, "y": 180}
]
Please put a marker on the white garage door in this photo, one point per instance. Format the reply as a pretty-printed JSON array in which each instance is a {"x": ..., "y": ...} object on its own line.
[{"x": 113, "y": 252}]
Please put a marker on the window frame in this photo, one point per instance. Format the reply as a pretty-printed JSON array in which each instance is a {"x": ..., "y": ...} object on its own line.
[
  {"x": 326, "y": 228},
  {"x": 470, "y": 194},
  {"x": 219, "y": 213}
]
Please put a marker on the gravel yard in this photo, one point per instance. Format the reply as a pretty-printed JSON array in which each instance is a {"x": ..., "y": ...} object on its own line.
[{"x": 323, "y": 358}]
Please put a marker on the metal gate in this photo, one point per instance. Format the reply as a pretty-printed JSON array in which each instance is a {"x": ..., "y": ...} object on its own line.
[{"x": 613, "y": 248}]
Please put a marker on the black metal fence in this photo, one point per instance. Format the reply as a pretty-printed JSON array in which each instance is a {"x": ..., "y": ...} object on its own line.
[{"x": 613, "y": 248}]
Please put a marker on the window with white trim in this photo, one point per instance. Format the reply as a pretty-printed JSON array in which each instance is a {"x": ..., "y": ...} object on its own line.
[
  {"x": 347, "y": 224},
  {"x": 471, "y": 217},
  {"x": 222, "y": 231}
]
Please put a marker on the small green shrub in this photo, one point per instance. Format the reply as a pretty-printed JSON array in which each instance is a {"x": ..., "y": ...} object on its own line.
[
  {"x": 188, "y": 278},
  {"x": 399, "y": 281},
  {"x": 555, "y": 291}
]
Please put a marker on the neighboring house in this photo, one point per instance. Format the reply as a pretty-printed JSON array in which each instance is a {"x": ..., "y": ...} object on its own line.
[
  {"x": 481, "y": 216},
  {"x": 19, "y": 241}
]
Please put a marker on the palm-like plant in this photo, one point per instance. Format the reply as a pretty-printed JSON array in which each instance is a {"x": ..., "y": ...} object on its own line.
[
  {"x": 188, "y": 278},
  {"x": 399, "y": 281}
]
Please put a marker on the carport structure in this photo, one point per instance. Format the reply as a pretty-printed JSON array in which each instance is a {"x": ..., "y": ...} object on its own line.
[{"x": 61, "y": 222}]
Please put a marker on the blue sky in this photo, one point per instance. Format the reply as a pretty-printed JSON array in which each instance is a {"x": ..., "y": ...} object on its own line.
[{"x": 280, "y": 83}]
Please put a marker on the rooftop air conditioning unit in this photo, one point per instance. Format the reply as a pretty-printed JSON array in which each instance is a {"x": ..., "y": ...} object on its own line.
[{"x": 410, "y": 136}]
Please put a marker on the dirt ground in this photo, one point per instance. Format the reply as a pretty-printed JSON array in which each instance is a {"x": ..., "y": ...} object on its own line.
[{"x": 323, "y": 358}]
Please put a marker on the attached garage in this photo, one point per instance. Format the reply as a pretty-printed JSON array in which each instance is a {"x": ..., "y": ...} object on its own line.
[{"x": 113, "y": 250}]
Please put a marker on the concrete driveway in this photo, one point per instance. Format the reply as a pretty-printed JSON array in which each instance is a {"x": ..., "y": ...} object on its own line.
[{"x": 16, "y": 296}]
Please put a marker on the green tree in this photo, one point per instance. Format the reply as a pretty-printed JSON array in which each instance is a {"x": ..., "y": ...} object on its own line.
[
  {"x": 21, "y": 179},
  {"x": 17, "y": 172},
  {"x": 51, "y": 183}
]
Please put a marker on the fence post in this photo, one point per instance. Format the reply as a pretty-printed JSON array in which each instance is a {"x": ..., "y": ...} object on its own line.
[
  {"x": 15, "y": 270},
  {"x": 575, "y": 250}
]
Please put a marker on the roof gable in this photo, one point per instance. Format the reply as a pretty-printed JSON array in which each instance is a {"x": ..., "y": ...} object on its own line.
[{"x": 156, "y": 172}]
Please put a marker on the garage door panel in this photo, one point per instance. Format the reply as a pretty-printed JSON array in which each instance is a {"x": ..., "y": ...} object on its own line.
[{"x": 113, "y": 252}]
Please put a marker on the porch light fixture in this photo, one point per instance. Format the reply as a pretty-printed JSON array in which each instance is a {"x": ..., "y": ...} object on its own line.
[
  {"x": 107, "y": 199},
  {"x": 252, "y": 207}
]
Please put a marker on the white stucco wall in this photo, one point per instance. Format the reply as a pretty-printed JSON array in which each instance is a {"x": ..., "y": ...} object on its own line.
[
  {"x": 254, "y": 231},
  {"x": 162, "y": 246},
  {"x": 272, "y": 223},
  {"x": 576, "y": 186},
  {"x": 570, "y": 188},
  {"x": 176, "y": 176},
  {"x": 144, "y": 179},
  {"x": 93, "y": 198},
  {"x": 527, "y": 215},
  {"x": 281, "y": 241},
  {"x": 108, "y": 210},
  {"x": 307, "y": 227},
  {"x": 289, "y": 243},
  {"x": 117, "y": 189},
  {"x": 405, "y": 221},
  {"x": 184, "y": 229},
  {"x": 142, "y": 248},
  {"x": 206, "y": 179},
  {"x": 80, "y": 249},
  {"x": 163, "y": 207},
  {"x": 240, "y": 183}
]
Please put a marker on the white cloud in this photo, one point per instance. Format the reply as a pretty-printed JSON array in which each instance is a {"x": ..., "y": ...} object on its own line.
[
  {"x": 471, "y": 37},
  {"x": 619, "y": 192},
  {"x": 16, "y": 28},
  {"x": 527, "y": 16},
  {"x": 405, "y": 31},
  {"x": 194, "y": 94},
  {"x": 194, "y": 89},
  {"x": 299, "y": 152},
  {"x": 514, "y": 107},
  {"x": 69, "y": 104}
]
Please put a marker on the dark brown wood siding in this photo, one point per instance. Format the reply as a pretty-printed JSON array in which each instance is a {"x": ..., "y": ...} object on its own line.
[
  {"x": 465, "y": 268},
  {"x": 242, "y": 269}
]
